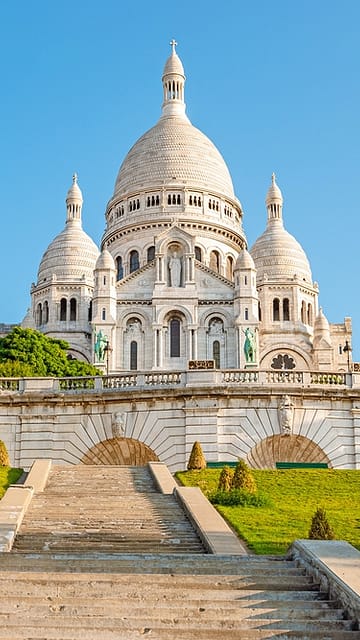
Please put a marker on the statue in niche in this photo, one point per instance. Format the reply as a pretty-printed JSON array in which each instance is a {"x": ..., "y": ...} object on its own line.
[
  {"x": 118, "y": 425},
  {"x": 250, "y": 346},
  {"x": 134, "y": 326},
  {"x": 175, "y": 270},
  {"x": 101, "y": 343},
  {"x": 216, "y": 327},
  {"x": 286, "y": 415}
]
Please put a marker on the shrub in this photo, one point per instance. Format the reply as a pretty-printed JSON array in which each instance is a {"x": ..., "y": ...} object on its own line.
[
  {"x": 4, "y": 456},
  {"x": 243, "y": 478},
  {"x": 225, "y": 479},
  {"x": 197, "y": 459},
  {"x": 239, "y": 498},
  {"x": 320, "y": 528}
]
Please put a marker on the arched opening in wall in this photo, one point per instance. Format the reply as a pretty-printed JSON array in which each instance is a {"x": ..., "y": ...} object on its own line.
[
  {"x": 46, "y": 312},
  {"x": 119, "y": 268},
  {"x": 285, "y": 448},
  {"x": 175, "y": 338},
  {"x": 120, "y": 451},
  {"x": 216, "y": 353},
  {"x": 215, "y": 261},
  {"x": 134, "y": 260},
  {"x": 286, "y": 309},
  {"x": 229, "y": 268},
  {"x": 259, "y": 311},
  {"x": 72, "y": 309},
  {"x": 276, "y": 309},
  {"x": 151, "y": 254},
  {"x": 90, "y": 311},
  {"x": 198, "y": 254},
  {"x": 63, "y": 306},
  {"x": 133, "y": 355},
  {"x": 38, "y": 318},
  {"x": 310, "y": 314},
  {"x": 303, "y": 312}
]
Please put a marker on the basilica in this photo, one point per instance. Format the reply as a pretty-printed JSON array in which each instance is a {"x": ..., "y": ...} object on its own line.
[
  {"x": 174, "y": 284},
  {"x": 197, "y": 336}
]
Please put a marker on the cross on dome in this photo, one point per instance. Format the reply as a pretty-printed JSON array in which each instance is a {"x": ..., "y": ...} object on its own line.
[
  {"x": 173, "y": 44},
  {"x": 75, "y": 178}
]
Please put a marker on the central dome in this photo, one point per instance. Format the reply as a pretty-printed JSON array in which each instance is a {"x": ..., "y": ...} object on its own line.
[{"x": 174, "y": 152}]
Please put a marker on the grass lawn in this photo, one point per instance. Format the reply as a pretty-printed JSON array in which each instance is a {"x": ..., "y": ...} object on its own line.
[
  {"x": 8, "y": 476},
  {"x": 294, "y": 496}
]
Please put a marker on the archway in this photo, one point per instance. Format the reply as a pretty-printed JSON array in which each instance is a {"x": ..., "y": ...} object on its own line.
[
  {"x": 285, "y": 448},
  {"x": 120, "y": 451}
]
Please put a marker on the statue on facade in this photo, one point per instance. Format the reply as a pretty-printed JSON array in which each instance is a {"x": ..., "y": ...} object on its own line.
[
  {"x": 286, "y": 415},
  {"x": 100, "y": 346},
  {"x": 118, "y": 425},
  {"x": 175, "y": 270},
  {"x": 250, "y": 346}
]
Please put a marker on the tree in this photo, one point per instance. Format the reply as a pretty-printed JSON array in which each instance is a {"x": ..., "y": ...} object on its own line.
[
  {"x": 26, "y": 353},
  {"x": 197, "y": 459},
  {"x": 243, "y": 478},
  {"x": 225, "y": 479},
  {"x": 4, "y": 456},
  {"x": 320, "y": 528}
]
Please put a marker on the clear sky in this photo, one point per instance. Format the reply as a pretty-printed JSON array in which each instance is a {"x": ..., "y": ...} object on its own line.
[{"x": 273, "y": 83}]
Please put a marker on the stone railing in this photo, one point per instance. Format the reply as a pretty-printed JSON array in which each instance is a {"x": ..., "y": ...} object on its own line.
[{"x": 212, "y": 378}]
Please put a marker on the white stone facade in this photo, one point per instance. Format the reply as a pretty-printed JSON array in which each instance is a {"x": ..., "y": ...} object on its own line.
[{"x": 175, "y": 287}]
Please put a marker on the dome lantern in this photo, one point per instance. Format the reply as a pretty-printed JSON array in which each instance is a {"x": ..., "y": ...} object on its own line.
[
  {"x": 74, "y": 202},
  {"x": 274, "y": 201},
  {"x": 173, "y": 80}
]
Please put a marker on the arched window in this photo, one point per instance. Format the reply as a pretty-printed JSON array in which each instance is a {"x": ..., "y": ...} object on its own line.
[
  {"x": 303, "y": 312},
  {"x": 119, "y": 268},
  {"x": 259, "y": 311},
  {"x": 133, "y": 355},
  {"x": 39, "y": 314},
  {"x": 286, "y": 309},
  {"x": 229, "y": 267},
  {"x": 46, "y": 312},
  {"x": 63, "y": 305},
  {"x": 216, "y": 353},
  {"x": 90, "y": 311},
  {"x": 246, "y": 314},
  {"x": 103, "y": 314},
  {"x": 72, "y": 309},
  {"x": 215, "y": 261},
  {"x": 175, "y": 338},
  {"x": 276, "y": 309},
  {"x": 310, "y": 314},
  {"x": 150, "y": 254},
  {"x": 134, "y": 261},
  {"x": 198, "y": 255}
]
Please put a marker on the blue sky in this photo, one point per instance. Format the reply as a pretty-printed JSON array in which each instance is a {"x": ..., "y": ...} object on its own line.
[{"x": 274, "y": 84}]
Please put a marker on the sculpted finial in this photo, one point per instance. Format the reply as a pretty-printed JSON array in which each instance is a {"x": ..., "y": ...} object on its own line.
[
  {"x": 173, "y": 44},
  {"x": 75, "y": 177},
  {"x": 273, "y": 177}
]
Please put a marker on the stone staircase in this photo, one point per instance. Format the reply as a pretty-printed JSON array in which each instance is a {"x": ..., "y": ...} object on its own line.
[
  {"x": 96, "y": 558},
  {"x": 105, "y": 509}
]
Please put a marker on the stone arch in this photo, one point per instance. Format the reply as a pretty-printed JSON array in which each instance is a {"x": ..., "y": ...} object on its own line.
[
  {"x": 285, "y": 448},
  {"x": 120, "y": 451}
]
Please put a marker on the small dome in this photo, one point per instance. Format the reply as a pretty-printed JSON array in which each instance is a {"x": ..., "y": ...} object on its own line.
[
  {"x": 321, "y": 324},
  {"x": 274, "y": 193},
  {"x": 74, "y": 192},
  {"x": 244, "y": 261},
  {"x": 173, "y": 64},
  {"x": 105, "y": 260},
  {"x": 70, "y": 256}
]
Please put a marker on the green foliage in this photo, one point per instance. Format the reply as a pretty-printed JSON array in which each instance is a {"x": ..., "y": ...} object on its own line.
[
  {"x": 4, "y": 456},
  {"x": 27, "y": 353},
  {"x": 197, "y": 459},
  {"x": 8, "y": 476},
  {"x": 295, "y": 495},
  {"x": 225, "y": 480},
  {"x": 239, "y": 497},
  {"x": 320, "y": 528},
  {"x": 243, "y": 478}
]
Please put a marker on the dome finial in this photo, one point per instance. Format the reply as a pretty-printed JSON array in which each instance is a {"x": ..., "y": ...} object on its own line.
[
  {"x": 173, "y": 44},
  {"x": 75, "y": 178},
  {"x": 273, "y": 178}
]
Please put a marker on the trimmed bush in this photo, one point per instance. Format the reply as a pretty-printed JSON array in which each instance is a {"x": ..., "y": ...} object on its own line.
[
  {"x": 243, "y": 478},
  {"x": 239, "y": 498},
  {"x": 320, "y": 528},
  {"x": 197, "y": 459},
  {"x": 4, "y": 456},
  {"x": 225, "y": 480}
]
